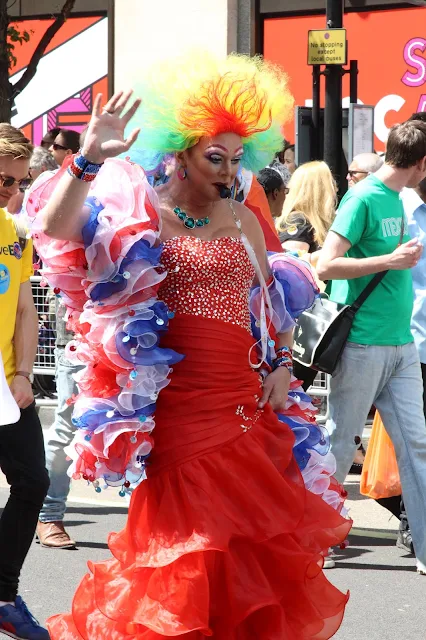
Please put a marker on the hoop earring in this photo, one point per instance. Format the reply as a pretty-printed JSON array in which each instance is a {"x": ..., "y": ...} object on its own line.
[{"x": 181, "y": 176}]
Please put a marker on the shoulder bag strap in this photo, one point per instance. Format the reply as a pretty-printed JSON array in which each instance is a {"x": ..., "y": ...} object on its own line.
[{"x": 376, "y": 280}]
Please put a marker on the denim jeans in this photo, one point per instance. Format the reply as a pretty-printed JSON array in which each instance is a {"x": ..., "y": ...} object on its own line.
[
  {"x": 390, "y": 378},
  {"x": 57, "y": 438}
]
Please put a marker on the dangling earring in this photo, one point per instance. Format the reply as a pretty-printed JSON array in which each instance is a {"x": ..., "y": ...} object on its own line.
[{"x": 181, "y": 173}]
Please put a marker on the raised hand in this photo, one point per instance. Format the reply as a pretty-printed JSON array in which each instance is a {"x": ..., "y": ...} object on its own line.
[{"x": 105, "y": 134}]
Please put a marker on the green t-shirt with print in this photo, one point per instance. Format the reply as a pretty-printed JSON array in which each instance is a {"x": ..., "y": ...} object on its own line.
[{"x": 370, "y": 216}]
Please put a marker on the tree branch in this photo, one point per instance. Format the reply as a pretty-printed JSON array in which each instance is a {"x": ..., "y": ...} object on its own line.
[{"x": 51, "y": 31}]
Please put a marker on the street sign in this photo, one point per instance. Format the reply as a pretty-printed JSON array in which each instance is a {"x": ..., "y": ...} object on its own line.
[
  {"x": 361, "y": 130},
  {"x": 327, "y": 46}
]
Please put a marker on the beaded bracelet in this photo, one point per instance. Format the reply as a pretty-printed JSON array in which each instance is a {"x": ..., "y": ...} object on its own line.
[
  {"x": 287, "y": 363},
  {"x": 82, "y": 169},
  {"x": 284, "y": 351},
  {"x": 284, "y": 358}
]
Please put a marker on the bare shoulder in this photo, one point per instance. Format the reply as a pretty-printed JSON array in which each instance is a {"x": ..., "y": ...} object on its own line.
[{"x": 249, "y": 222}]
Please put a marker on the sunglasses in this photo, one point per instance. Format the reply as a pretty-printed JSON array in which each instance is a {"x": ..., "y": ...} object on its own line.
[
  {"x": 57, "y": 146},
  {"x": 353, "y": 173},
  {"x": 9, "y": 181}
]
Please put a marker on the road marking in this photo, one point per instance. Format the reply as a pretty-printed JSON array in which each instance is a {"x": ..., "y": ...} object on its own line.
[
  {"x": 99, "y": 502},
  {"x": 373, "y": 533}
]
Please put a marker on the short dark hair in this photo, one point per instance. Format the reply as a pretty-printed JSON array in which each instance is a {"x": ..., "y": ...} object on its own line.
[
  {"x": 406, "y": 144},
  {"x": 270, "y": 180},
  {"x": 290, "y": 146},
  {"x": 50, "y": 135},
  {"x": 420, "y": 115},
  {"x": 71, "y": 139}
]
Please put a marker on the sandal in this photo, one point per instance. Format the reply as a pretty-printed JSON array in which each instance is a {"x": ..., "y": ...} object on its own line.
[{"x": 356, "y": 468}]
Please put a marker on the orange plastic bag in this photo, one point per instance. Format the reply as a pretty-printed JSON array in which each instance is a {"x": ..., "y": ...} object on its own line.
[{"x": 380, "y": 475}]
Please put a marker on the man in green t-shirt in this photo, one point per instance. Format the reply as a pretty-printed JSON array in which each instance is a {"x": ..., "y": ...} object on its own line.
[{"x": 380, "y": 365}]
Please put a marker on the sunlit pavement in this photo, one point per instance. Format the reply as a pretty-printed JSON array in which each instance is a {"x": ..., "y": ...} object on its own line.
[{"x": 388, "y": 598}]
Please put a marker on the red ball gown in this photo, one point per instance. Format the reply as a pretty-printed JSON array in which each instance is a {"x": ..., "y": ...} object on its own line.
[{"x": 223, "y": 539}]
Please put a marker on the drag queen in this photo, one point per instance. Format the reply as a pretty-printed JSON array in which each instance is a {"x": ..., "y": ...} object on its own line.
[{"x": 226, "y": 537}]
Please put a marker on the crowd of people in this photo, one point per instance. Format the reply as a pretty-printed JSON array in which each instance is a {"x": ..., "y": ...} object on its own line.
[{"x": 176, "y": 289}]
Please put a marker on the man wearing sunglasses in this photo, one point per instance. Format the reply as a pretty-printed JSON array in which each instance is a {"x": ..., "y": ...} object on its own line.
[
  {"x": 362, "y": 166},
  {"x": 65, "y": 144},
  {"x": 22, "y": 457}
]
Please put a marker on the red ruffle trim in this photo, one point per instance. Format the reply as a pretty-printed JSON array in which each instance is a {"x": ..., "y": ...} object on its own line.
[{"x": 229, "y": 544}]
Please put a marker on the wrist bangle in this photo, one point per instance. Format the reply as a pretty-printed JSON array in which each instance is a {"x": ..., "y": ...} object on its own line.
[
  {"x": 82, "y": 169},
  {"x": 287, "y": 364},
  {"x": 284, "y": 358},
  {"x": 284, "y": 351}
]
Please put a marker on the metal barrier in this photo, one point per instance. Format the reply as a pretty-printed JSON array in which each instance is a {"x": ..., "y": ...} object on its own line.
[
  {"x": 44, "y": 366},
  {"x": 321, "y": 389}
]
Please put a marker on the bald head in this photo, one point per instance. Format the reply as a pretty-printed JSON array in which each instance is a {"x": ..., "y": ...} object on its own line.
[{"x": 362, "y": 165}]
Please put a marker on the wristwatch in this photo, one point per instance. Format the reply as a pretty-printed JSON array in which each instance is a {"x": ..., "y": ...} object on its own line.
[{"x": 26, "y": 374}]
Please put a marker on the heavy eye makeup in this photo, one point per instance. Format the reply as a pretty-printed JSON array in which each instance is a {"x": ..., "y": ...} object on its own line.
[{"x": 215, "y": 158}]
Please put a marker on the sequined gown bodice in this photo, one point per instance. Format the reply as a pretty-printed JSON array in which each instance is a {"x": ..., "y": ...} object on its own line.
[{"x": 209, "y": 278}]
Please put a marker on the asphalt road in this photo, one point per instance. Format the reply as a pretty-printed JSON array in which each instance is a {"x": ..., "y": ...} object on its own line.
[{"x": 387, "y": 601}]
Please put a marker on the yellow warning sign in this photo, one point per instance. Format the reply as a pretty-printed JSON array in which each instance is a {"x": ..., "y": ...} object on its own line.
[{"x": 327, "y": 46}]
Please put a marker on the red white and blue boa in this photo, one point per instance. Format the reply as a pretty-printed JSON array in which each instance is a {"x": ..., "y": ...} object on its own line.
[{"x": 109, "y": 285}]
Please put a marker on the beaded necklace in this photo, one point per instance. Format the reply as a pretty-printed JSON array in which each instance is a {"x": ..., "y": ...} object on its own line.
[{"x": 188, "y": 221}]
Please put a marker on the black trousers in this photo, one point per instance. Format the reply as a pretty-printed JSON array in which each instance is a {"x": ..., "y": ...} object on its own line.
[
  {"x": 22, "y": 461},
  {"x": 396, "y": 504}
]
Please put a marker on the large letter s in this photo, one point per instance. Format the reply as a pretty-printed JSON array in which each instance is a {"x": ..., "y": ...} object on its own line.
[{"x": 416, "y": 61}]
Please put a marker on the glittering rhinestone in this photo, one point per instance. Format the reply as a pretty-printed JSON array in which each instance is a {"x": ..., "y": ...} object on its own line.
[
  {"x": 109, "y": 414},
  {"x": 142, "y": 418},
  {"x": 133, "y": 439},
  {"x": 133, "y": 351},
  {"x": 98, "y": 464},
  {"x": 189, "y": 223},
  {"x": 133, "y": 374},
  {"x": 218, "y": 290},
  {"x": 126, "y": 338},
  {"x": 126, "y": 275},
  {"x": 160, "y": 321}
]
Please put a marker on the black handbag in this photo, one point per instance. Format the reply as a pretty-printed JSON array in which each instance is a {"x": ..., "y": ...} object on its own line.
[{"x": 321, "y": 332}]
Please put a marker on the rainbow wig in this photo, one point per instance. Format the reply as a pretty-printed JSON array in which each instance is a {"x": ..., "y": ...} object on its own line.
[{"x": 188, "y": 98}]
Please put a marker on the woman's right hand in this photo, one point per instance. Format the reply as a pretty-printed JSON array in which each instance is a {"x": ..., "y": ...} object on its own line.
[{"x": 105, "y": 133}]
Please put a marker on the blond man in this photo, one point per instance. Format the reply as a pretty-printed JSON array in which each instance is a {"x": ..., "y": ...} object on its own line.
[{"x": 21, "y": 444}]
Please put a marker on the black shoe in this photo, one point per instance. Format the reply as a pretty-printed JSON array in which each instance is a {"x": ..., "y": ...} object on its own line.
[
  {"x": 405, "y": 541},
  {"x": 356, "y": 468}
]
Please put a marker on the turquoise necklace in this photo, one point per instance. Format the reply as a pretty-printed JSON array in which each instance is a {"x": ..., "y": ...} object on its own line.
[{"x": 188, "y": 221}]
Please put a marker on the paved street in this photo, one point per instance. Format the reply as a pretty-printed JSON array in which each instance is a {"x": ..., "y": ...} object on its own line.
[{"x": 387, "y": 596}]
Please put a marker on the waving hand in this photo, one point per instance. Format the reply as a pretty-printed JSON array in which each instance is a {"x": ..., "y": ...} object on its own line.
[{"x": 105, "y": 134}]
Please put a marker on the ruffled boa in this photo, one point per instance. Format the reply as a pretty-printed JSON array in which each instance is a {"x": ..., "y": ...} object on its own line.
[{"x": 109, "y": 285}]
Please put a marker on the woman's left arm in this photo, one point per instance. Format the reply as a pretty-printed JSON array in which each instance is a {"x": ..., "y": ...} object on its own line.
[{"x": 277, "y": 384}]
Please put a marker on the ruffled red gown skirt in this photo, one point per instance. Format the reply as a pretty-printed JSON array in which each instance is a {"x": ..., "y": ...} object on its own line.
[{"x": 223, "y": 539}]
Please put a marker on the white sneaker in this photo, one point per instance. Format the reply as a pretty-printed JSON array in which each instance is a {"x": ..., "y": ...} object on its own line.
[
  {"x": 329, "y": 562},
  {"x": 421, "y": 568}
]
